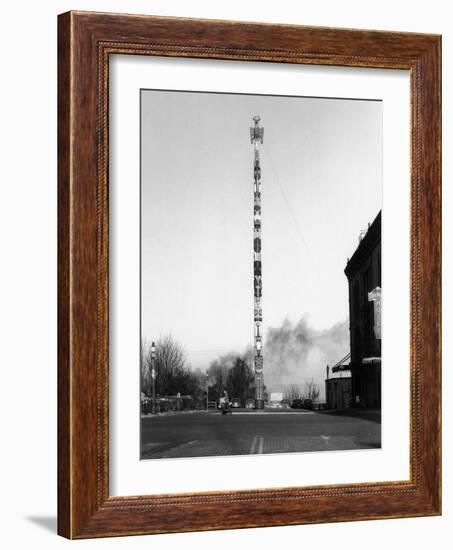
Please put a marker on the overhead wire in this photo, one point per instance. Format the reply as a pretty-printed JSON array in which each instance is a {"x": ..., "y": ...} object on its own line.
[{"x": 299, "y": 233}]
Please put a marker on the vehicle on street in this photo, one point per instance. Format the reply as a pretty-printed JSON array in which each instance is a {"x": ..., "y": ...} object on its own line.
[
  {"x": 146, "y": 405},
  {"x": 221, "y": 402},
  {"x": 226, "y": 407},
  {"x": 225, "y": 404},
  {"x": 308, "y": 404},
  {"x": 297, "y": 404},
  {"x": 250, "y": 404},
  {"x": 236, "y": 403}
]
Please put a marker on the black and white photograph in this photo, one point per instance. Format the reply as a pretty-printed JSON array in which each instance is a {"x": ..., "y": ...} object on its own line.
[
  {"x": 260, "y": 274},
  {"x": 202, "y": 202}
]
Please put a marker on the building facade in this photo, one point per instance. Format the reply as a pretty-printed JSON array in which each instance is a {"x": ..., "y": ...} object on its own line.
[
  {"x": 363, "y": 271},
  {"x": 338, "y": 384},
  {"x": 338, "y": 392}
]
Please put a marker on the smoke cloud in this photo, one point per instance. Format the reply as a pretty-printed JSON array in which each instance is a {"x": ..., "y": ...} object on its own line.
[
  {"x": 295, "y": 354},
  {"x": 298, "y": 353}
]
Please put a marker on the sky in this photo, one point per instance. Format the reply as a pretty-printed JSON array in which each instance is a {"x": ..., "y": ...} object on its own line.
[{"x": 321, "y": 181}]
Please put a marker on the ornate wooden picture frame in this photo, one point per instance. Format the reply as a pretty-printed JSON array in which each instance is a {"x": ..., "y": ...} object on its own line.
[{"x": 86, "y": 41}]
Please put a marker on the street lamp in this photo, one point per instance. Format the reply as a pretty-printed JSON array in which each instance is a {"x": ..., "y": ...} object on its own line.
[
  {"x": 207, "y": 390},
  {"x": 153, "y": 373}
]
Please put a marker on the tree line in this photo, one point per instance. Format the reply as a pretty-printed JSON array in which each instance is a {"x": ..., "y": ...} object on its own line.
[
  {"x": 173, "y": 374},
  {"x": 231, "y": 372},
  {"x": 234, "y": 374},
  {"x": 309, "y": 390}
]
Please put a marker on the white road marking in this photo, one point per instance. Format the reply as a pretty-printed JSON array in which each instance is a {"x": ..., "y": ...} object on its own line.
[
  {"x": 257, "y": 445},
  {"x": 260, "y": 446}
]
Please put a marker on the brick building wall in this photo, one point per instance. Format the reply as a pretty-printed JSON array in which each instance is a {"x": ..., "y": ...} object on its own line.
[{"x": 363, "y": 271}]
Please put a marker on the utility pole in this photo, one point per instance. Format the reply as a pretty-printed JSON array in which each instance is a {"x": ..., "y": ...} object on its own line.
[
  {"x": 207, "y": 391},
  {"x": 256, "y": 138}
]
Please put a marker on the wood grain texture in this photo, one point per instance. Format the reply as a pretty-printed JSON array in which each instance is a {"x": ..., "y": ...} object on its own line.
[{"x": 86, "y": 40}]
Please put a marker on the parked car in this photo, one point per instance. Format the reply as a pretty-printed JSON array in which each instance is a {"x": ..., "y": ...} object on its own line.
[
  {"x": 308, "y": 404},
  {"x": 297, "y": 404},
  {"x": 250, "y": 404},
  {"x": 236, "y": 403}
]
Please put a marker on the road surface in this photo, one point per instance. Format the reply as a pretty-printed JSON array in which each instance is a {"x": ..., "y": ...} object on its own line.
[{"x": 213, "y": 434}]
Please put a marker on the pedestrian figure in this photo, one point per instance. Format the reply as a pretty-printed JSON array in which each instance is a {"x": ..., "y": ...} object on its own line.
[{"x": 226, "y": 403}]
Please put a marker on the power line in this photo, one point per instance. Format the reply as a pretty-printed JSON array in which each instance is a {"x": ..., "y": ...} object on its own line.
[{"x": 293, "y": 217}]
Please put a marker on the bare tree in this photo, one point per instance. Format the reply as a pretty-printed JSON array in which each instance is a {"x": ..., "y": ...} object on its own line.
[
  {"x": 240, "y": 380},
  {"x": 312, "y": 390},
  {"x": 170, "y": 363},
  {"x": 232, "y": 372},
  {"x": 292, "y": 392},
  {"x": 172, "y": 375},
  {"x": 218, "y": 374},
  {"x": 145, "y": 374}
]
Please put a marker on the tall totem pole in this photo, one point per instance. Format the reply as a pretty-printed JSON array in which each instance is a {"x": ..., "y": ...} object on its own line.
[{"x": 256, "y": 137}]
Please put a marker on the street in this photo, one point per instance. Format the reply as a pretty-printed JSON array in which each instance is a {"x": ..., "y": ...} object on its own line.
[{"x": 213, "y": 434}]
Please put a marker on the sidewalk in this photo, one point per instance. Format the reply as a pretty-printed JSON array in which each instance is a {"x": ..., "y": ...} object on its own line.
[
  {"x": 174, "y": 413},
  {"x": 371, "y": 414},
  {"x": 235, "y": 412}
]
